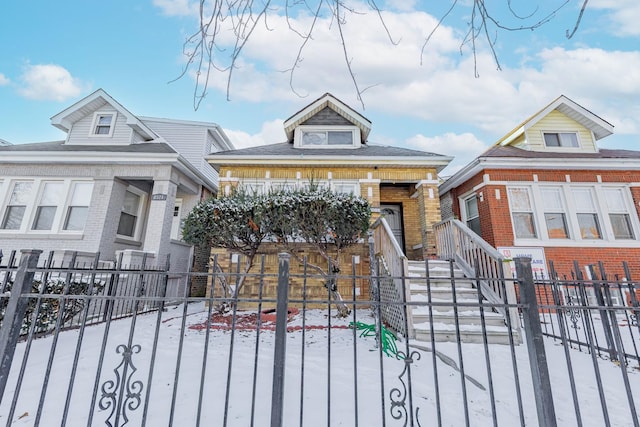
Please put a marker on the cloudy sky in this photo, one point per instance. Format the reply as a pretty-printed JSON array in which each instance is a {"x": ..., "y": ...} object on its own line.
[{"x": 419, "y": 96}]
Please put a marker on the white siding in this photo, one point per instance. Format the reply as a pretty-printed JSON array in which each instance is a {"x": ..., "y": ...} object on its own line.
[
  {"x": 555, "y": 121},
  {"x": 81, "y": 131},
  {"x": 190, "y": 140}
]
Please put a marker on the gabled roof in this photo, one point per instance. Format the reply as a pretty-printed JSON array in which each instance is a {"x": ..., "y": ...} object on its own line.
[
  {"x": 328, "y": 101},
  {"x": 369, "y": 155},
  {"x": 92, "y": 103},
  {"x": 586, "y": 118}
]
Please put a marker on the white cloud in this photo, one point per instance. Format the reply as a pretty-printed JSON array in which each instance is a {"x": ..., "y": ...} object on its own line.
[
  {"x": 49, "y": 82},
  {"x": 177, "y": 7},
  {"x": 272, "y": 132},
  {"x": 443, "y": 88},
  {"x": 463, "y": 147},
  {"x": 623, "y": 14},
  {"x": 4, "y": 80}
]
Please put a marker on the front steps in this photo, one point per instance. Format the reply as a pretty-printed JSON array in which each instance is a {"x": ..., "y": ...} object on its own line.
[{"x": 443, "y": 313}]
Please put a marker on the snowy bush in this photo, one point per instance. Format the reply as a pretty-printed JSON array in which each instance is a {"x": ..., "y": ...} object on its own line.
[
  {"x": 49, "y": 308},
  {"x": 240, "y": 222}
]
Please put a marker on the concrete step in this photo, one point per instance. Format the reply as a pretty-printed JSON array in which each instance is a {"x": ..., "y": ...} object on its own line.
[
  {"x": 440, "y": 282},
  {"x": 443, "y": 317},
  {"x": 436, "y": 269},
  {"x": 471, "y": 334},
  {"x": 444, "y": 293},
  {"x": 466, "y": 316}
]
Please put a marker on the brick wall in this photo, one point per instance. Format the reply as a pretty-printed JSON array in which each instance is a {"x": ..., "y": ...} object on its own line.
[
  {"x": 315, "y": 288},
  {"x": 496, "y": 224}
]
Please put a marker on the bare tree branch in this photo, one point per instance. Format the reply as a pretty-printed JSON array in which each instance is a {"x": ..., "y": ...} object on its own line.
[
  {"x": 582, "y": 9},
  {"x": 209, "y": 50}
]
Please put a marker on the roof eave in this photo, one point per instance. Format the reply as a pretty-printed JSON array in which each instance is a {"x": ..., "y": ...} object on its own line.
[{"x": 483, "y": 163}]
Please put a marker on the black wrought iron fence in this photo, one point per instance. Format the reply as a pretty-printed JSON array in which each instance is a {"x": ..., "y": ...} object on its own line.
[
  {"x": 281, "y": 356},
  {"x": 595, "y": 315},
  {"x": 92, "y": 290}
]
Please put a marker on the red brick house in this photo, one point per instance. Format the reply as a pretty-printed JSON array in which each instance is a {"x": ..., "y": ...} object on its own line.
[{"x": 546, "y": 188}]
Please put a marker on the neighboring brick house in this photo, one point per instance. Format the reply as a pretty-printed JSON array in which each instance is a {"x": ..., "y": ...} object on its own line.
[
  {"x": 547, "y": 187},
  {"x": 119, "y": 183},
  {"x": 327, "y": 143}
]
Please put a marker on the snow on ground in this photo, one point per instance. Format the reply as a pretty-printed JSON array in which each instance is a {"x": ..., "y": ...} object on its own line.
[{"x": 323, "y": 384}]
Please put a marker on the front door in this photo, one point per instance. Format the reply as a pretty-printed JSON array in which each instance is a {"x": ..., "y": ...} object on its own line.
[{"x": 393, "y": 215}]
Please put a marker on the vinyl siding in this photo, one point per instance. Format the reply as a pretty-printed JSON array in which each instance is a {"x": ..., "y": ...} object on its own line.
[
  {"x": 555, "y": 121},
  {"x": 190, "y": 141},
  {"x": 80, "y": 132}
]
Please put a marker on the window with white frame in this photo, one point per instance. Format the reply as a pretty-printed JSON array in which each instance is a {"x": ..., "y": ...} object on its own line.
[
  {"x": 346, "y": 187},
  {"x": 586, "y": 213},
  {"x": 17, "y": 205},
  {"x": 51, "y": 196},
  {"x": 129, "y": 216},
  {"x": 282, "y": 186},
  {"x": 522, "y": 216},
  {"x": 579, "y": 212},
  {"x": 472, "y": 215},
  {"x": 253, "y": 187},
  {"x": 78, "y": 207},
  {"x": 308, "y": 136},
  {"x": 561, "y": 139},
  {"x": 555, "y": 216},
  {"x": 42, "y": 205},
  {"x": 618, "y": 214},
  {"x": 103, "y": 124}
]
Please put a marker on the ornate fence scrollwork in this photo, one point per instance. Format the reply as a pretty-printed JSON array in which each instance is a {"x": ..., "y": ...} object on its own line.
[
  {"x": 573, "y": 311},
  {"x": 399, "y": 396},
  {"x": 122, "y": 394}
]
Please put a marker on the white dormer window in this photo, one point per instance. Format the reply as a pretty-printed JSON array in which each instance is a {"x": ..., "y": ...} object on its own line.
[
  {"x": 103, "y": 124},
  {"x": 561, "y": 139},
  {"x": 327, "y": 137}
]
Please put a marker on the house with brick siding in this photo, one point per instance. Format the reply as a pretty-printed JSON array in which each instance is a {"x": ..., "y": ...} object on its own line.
[
  {"x": 118, "y": 185},
  {"x": 327, "y": 143},
  {"x": 547, "y": 189}
]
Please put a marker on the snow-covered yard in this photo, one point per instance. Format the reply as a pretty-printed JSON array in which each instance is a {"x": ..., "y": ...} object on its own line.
[{"x": 333, "y": 377}]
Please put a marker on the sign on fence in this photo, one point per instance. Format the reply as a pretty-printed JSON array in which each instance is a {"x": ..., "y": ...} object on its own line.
[{"x": 538, "y": 260}]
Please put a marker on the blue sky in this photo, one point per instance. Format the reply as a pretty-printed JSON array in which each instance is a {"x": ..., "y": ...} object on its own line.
[{"x": 54, "y": 53}]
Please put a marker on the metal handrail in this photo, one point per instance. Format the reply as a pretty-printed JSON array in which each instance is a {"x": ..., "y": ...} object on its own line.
[
  {"x": 388, "y": 250},
  {"x": 477, "y": 258}
]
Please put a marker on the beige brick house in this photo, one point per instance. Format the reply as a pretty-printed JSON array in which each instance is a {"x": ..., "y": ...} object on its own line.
[{"x": 327, "y": 143}]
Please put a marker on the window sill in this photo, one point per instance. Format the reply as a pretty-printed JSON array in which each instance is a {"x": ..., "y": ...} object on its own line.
[
  {"x": 126, "y": 241},
  {"x": 41, "y": 236},
  {"x": 587, "y": 243}
]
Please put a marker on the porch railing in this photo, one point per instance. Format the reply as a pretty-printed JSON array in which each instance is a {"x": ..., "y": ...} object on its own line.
[
  {"x": 395, "y": 265},
  {"x": 477, "y": 258}
]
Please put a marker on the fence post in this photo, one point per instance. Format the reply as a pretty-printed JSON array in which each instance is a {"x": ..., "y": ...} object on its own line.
[
  {"x": 280, "y": 351},
  {"x": 535, "y": 344},
  {"x": 14, "y": 313}
]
